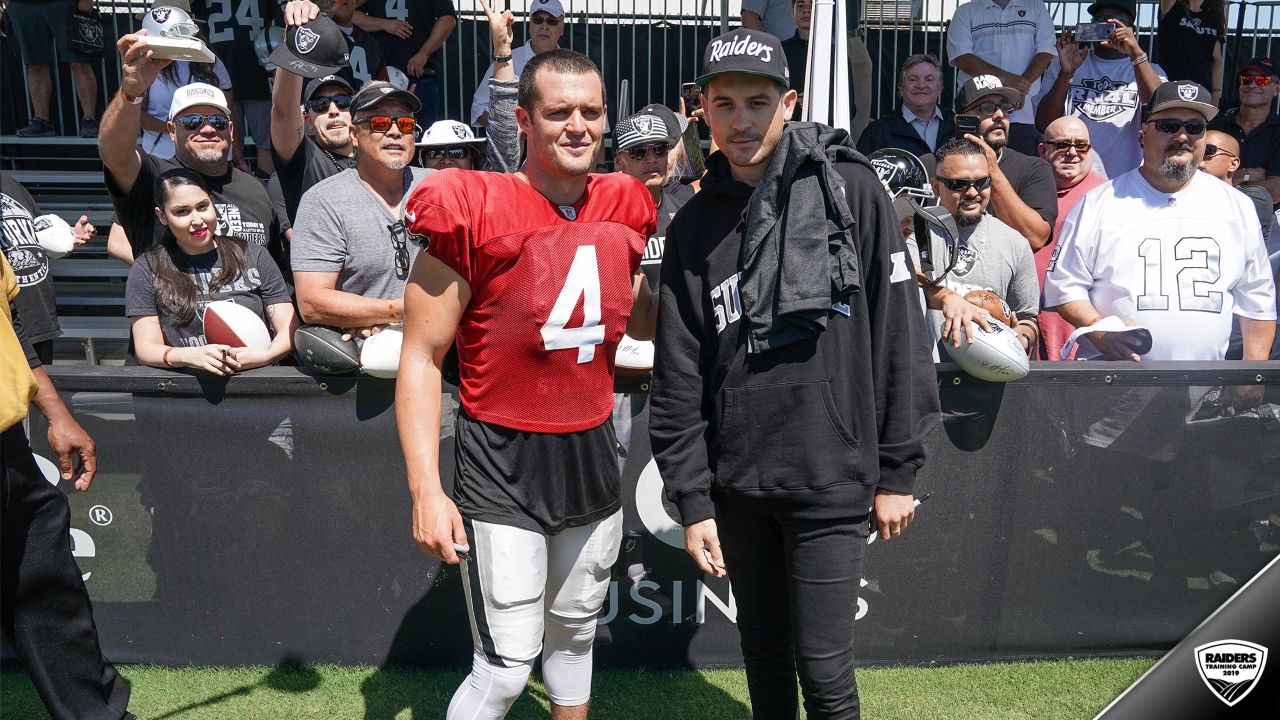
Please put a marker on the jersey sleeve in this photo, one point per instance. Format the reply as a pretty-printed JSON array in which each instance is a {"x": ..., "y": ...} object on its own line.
[
  {"x": 1068, "y": 278},
  {"x": 438, "y": 211},
  {"x": 1255, "y": 292}
]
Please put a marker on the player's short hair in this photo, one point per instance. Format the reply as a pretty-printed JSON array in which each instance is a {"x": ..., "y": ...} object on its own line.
[
  {"x": 915, "y": 60},
  {"x": 957, "y": 146},
  {"x": 559, "y": 60}
]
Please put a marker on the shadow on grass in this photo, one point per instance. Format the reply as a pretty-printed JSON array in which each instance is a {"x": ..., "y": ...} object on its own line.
[{"x": 290, "y": 675}]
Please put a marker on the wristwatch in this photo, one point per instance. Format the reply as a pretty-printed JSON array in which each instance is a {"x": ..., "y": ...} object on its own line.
[
  {"x": 502, "y": 58},
  {"x": 131, "y": 99}
]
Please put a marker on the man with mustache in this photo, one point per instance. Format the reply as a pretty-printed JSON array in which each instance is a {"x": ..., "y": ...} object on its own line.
[
  {"x": 202, "y": 131},
  {"x": 350, "y": 252},
  {"x": 1167, "y": 247}
]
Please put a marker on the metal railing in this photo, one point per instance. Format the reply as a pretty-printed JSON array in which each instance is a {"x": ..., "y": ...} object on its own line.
[{"x": 655, "y": 45}]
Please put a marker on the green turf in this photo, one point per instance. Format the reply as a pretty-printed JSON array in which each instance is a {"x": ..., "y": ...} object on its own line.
[{"x": 1062, "y": 690}]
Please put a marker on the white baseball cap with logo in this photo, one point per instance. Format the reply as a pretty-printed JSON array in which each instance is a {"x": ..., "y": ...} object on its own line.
[
  {"x": 197, "y": 94},
  {"x": 552, "y": 7}
]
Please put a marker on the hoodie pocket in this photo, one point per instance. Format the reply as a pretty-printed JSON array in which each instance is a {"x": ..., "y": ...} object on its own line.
[{"x": 784, "y": 437}]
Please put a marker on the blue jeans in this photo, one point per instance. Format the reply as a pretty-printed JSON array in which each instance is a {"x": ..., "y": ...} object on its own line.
[{"x": 428, "y": 91}]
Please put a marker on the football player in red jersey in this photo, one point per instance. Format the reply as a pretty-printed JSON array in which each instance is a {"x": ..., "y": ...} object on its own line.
[{"x": 536, "y": 276}]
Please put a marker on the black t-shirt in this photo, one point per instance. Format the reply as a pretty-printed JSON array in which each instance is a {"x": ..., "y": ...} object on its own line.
[
  {"x": 797, "y": 52},
  {"x": 422, "y": 15},
  {"x": 260, "y": 286},
  {"x": 1260, "y": 148},
  {"x": 276, "y": 193},
  {"x": 310, "y": 164},
  {"x": 673, "y": 199},
  {"x": 541, "y": 482},
  {"x": 1031, "y": 177},
  {"x": 244, "y": 208},
  {"x": 232, "y": 27},
  {"x": 1185, "y": 41},
  {"x": 35, "y": 301},
  {"x": 366, "y": 57}
]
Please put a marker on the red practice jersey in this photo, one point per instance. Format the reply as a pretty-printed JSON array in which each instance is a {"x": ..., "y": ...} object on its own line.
[{"x": 550, "y": 291}]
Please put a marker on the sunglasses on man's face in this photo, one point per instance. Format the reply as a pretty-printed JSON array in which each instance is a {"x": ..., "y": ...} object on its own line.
[
  {"x": 544, "y": 19},
  {"x": 963, "y": 184},
  {"x": 1080, "y": 146},
  {"x": 453, "y": 153},
  {"x": 192, "y": 122},
  {"x": 640, "y": 152},
  {"x": 1169, "y": 126},
  {"x": 1211, "y": 150},
  {"x": 382, "y": 123},
  {"x": 321, "y": 104},
  {"x": 987, "y": 109},
  {"x": 1259, "y": 79}
]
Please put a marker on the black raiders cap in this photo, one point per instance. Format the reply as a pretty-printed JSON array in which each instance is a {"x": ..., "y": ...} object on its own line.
[
  {"x": 313, "y": 50},
  {"x": 980, "y": 86},
  {"x": 650, "y": 123},
  {"x": 1129, "y": 6},
  {"x": 317, "y": 84},
  {"x": 377, "y": 91},
  {"x": 754, "y": 52},
  {"x": 1182, "y": 94}
]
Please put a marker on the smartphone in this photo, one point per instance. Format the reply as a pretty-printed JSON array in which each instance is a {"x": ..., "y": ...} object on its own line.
[
  {"x": 1094, "y": 32},
  {"x": 967, "y": 125},
  {"x": 692, "y": 95}
]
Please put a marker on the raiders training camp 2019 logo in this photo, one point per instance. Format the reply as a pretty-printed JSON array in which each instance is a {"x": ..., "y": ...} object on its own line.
[
  {"x": 1230, "y": 668},
  {"x": 306, "y": 40}
]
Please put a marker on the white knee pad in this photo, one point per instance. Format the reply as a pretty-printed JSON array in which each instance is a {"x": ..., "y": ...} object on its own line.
[
  {"x": 489, "y": 691},
  {"x": 566, "y": 659}
]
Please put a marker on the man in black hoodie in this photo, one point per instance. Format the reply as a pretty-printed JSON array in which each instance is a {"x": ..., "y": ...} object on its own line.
[{"x": 793, "y": 389}]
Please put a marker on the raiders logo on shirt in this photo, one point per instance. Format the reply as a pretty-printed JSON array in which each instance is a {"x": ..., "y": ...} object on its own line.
[{"x": 18, "y": 241}]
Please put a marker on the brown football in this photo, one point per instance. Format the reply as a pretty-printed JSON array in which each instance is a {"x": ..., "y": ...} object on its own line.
[{"x": 993, "y": 304}]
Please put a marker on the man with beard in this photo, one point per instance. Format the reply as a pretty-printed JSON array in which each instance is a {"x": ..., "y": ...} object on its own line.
[
  {"x": 1105, "y": 86},
  {"x": 1022, "y": 193},
  {"x": 1068, "y": 150},
  {"x": 1166, "y": 247},
  {"x": 301, "y": 160},
  {"x": 201, "y": 128},
  {"x": 350, "y": 250},
  {"x": 991, "y": 255},
  {"x": 535, "y": 510}
]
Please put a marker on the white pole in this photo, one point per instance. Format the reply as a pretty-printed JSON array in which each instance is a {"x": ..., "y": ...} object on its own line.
[
  {"x": 841, "y": 117},
  {"x": 817, "y": 84}
]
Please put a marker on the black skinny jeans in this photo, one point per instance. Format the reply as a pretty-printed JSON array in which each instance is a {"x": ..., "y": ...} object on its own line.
[{"x": 796, "y": 583}]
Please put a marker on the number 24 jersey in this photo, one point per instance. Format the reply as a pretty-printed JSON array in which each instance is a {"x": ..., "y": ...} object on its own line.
[{"x": 550, "y": 291}]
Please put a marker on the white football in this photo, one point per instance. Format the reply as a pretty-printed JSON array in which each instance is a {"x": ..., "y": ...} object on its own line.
[
  {"x": 634, "y": 354},
  {"x": 226, "y": 323},
  {"x": 54, "y": 235},
  {"x": 996, "y": 355},
  {"x": 380, "y": 354}
]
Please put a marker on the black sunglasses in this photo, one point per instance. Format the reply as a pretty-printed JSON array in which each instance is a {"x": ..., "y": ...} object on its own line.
[
  {"x": 400, "y": 241},
  {"x": 1210, "y": 150},
  {"x": 194, "y": 121},
  {"x": 1170, "y": 126},
  {"x": 962, "y": 184},
  {"x": 640, "y": 152},
  {"x": 547, "y": 19},
  {"x": 321, "y": 104},
  {"x": 1080, "y": 146},
  {"x": 382, "y": 123},
  {"x": 453, "y": 153},
  {"x": 988, "y": 108}
]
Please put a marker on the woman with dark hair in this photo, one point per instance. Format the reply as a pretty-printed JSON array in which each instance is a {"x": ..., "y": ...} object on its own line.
[
  {"x": 1190, "y": 39},
  {"x": 170, "y": 285}
]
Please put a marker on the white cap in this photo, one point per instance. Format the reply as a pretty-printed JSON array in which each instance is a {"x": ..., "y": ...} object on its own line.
[
  {"x": 197, "y": 94},
  {"x": 548, "y": 6},
  {"x": 449, "y": 133}
]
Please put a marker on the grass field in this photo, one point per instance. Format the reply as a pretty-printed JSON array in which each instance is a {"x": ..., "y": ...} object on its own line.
[{"x": 1061, "y": 690}]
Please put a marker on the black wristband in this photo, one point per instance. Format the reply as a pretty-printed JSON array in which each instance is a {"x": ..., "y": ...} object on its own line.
[{"x": 502, "y": 58}]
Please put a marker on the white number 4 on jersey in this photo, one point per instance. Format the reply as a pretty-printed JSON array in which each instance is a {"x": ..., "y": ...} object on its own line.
[{"x": 583, "y": 282}]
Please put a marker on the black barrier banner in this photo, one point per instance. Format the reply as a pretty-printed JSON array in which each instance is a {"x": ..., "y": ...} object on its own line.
[{"x": 1091, "y": 509}]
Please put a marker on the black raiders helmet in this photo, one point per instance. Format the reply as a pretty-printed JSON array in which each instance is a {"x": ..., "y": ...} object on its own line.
[{"x": 902, "y": 174}]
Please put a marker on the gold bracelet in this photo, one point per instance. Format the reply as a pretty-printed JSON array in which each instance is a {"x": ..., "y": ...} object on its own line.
[{"x": 165, "y": 358}]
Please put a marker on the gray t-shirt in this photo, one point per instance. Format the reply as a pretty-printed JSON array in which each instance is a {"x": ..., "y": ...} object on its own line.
[
  {"x": 343, "y": 227},
  {"x": 776, "y": 16},
  {"x": 993, "y": 256},
  {"x": 260, "y": 286}
]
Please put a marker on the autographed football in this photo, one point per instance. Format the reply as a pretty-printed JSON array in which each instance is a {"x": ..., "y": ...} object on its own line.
[
  {"x": 993, "y": 304},
  {"x": 322, "y": 349},
  {"x": 996, "y": 355},
  {"x": 226, "y": 323}
]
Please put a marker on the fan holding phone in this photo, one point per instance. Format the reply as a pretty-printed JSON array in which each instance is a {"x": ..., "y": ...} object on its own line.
[{"x": 1102, "y": 76}]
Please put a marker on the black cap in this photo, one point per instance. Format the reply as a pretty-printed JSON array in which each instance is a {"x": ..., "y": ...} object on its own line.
[
  {"x": 754, "y": 52},
  {"x": 377, "y": 91},
  {"x": 1262, "y": 63},
  {"x": 317, "y": 84},
  {"x": 1128, "y": 6},
  {"x": 313, "y": 50},
  {"x": 1182, "y": 94},
  {"x": 648, "y": 124},
  {"x": 980, "y": 86}
]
